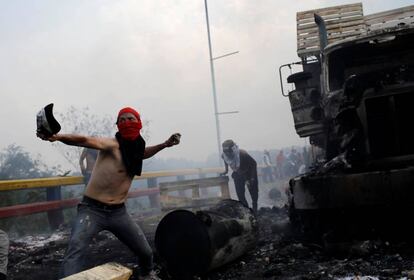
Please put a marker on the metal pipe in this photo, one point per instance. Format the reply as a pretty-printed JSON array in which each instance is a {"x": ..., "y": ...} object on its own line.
[
  {"x": 323, "y": 35},
  {"x": 224, "y": 55},
  {"x": 213, "y": 82}
]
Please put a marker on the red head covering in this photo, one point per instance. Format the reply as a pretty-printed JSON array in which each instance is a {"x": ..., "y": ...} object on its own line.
[
  {"x": 129, "y": 129},
  {"x": 129, "y": 110}
]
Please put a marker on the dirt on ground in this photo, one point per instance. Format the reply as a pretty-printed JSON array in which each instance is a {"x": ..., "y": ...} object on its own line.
[{"x": 277, "y": 255}]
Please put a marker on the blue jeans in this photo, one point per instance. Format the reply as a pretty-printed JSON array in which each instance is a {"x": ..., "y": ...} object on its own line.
[{"x": 95, "y": 216}]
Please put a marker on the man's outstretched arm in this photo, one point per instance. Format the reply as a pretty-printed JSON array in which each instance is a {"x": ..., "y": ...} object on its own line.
[
  {"x": 81, "y": 141},
  {"x": 152, "y": 150}
]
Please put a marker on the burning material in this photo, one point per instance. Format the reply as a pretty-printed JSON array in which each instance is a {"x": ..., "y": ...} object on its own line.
[{"x": 194, "y": 243}]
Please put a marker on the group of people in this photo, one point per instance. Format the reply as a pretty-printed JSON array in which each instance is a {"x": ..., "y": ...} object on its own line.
[
  {"x": 109, "y": 166},
  {"x": 288, "y": 165}
]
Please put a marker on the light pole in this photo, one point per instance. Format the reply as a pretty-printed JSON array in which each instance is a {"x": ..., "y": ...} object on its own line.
[{"x": 213, "y": 82}]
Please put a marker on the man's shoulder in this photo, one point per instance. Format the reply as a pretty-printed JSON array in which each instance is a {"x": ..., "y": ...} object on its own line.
[
  {"x": 109, "y": 143},
  {"x": 244, "y": 153}
]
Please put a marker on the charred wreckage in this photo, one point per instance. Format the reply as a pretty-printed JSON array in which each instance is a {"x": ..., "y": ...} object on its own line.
[{"x": 353, "y": 98}]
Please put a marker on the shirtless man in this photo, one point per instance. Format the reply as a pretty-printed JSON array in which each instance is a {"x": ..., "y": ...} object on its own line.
[{"x": 102, "y": 207}]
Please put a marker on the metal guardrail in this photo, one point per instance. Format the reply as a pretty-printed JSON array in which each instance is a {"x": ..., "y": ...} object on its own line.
[
  {"x": 9, "y": 185},
  {"x": 56, "y": 182},
  {"x": 197, "y": 186}
]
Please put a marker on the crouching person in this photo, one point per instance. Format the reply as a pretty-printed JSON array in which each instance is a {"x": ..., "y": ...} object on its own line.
[{"x": 244, "y": 172}]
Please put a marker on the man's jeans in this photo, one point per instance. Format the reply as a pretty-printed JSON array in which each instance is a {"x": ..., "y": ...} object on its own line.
[
  {"x": 93, "y": 217},
  {"x": 240, "y": 181}
]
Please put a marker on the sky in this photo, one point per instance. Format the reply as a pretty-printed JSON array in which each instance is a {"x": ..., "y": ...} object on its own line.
[{"x": 153, "y": 55}]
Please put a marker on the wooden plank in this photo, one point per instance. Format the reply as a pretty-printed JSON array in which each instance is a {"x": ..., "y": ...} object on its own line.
[
  {"x": 334, "y": 37},
  {"x": 108, "y": 271},
  {"x": 331, "y": 31},
  {"x": 330, "y": 25},
  {"x": 314, "y": 27},
  {"x": 335, "y": 10},
  {"x": 169, "y": 202},
  {"x": 314, "y": 44},
  {"x": 173, "y": 173},
  {"x": 349, "y": 16},
  {"x": 306, "y": 52},
  {"x": 176, "y": 187},
  {"x": 346, "y": 21},
  {"x": 202, "y": 182}
]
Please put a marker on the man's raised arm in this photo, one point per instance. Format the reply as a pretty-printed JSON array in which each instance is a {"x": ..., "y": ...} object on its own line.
[{"x": 152, "y": 150}]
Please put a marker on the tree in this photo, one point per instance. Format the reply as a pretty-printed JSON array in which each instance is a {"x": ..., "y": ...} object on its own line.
[
  {"x": 83, "y": 121},
  {"x": 16, "y": 163}
]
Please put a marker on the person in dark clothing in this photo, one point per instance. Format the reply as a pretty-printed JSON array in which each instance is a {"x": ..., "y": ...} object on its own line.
[
  {"x": 244, "y": 172},
  {"x": 103, "y": 205}
]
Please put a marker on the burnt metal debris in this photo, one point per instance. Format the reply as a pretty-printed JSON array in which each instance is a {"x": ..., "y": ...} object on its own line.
[
  {"x": 353, "y": 99},
  {"x": 277, "y": 255},
  {"x": 194, "y": 243}
]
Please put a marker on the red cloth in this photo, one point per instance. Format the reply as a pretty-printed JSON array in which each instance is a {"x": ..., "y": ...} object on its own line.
[
  {"x": 129, "y": 130},
  {"x": 129, "y": 110}
]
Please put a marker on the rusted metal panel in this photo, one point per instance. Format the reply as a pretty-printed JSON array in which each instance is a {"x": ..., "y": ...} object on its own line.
[
  {"x": 193, "y": 243},
  {"x": 392, "y": 187},
  {"x": 378, "y": 20}
]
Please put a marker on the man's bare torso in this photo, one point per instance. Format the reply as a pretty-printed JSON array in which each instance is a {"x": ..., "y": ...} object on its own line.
[
  {"x": 90, "y": 161},
  {"x": 109, "y": 182}
]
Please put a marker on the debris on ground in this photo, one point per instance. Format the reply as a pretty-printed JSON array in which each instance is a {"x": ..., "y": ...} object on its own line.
[{"x": 277, "y": 255}]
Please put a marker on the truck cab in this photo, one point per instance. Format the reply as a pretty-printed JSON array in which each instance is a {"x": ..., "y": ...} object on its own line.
[{"x": 353, "y": 98}]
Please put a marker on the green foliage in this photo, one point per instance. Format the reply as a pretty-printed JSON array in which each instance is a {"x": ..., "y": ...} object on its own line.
[{"x": 15, "y": 163}]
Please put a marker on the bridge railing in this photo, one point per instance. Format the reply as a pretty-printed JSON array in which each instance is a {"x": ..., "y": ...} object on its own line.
[{"x": 55, "y": 203}]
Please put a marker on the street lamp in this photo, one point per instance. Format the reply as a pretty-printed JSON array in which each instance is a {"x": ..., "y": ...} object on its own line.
[{"x": 213, "y": 82}]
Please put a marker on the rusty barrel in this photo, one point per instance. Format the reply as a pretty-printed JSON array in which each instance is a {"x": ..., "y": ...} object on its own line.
[{"x": 191, "y": 243}]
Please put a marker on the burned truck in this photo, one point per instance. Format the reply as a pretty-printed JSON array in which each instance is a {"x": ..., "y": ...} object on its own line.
[{"x": 353, "y": 96}]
